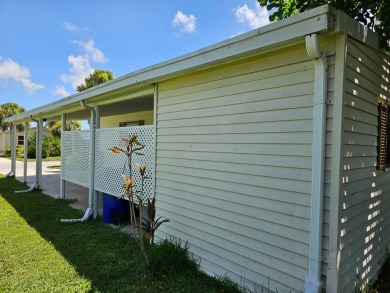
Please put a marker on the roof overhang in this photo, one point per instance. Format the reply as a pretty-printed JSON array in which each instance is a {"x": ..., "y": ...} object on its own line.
[{"x": 140, "y": 84}]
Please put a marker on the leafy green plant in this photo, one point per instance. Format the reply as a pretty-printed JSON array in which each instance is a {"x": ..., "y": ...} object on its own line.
[
  {"x": 51, "y": 146},
  {"x": 19, "y": 150}
]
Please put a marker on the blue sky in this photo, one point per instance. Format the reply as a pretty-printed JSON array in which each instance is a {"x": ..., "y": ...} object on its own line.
[{"x": 48, "y": 47}]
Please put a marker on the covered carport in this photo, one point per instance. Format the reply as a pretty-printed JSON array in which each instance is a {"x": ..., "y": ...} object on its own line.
[{"x": 78, "y": 148}]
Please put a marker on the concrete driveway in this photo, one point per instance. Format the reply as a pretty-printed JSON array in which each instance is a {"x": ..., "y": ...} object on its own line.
[{"x": 50, "y": 181}]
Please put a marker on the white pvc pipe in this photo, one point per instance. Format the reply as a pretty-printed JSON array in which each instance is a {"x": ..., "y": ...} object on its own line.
[
  {"x": 34, "y": 186},
  {"x": 313, "y": 282},
  {"x": 87, "y": 214}
]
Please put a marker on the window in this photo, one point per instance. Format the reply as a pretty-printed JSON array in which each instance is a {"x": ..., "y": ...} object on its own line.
[
  {"x": 20, "y": 139},
  {"x": 132, "y": 123},
  {"x": 383, "y": 137}
]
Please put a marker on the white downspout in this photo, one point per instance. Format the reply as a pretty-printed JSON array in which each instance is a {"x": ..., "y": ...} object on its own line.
[
  {"x": 90, "y": 210},
  {"x": 313, "y": 282}
]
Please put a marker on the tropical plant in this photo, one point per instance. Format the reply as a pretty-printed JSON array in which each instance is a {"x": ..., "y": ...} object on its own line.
[
  {"x": 375, "y": 14},
  {"x": 51, "y": 146},
  {"x": 141, "y": 226},
  {"x": 97, "y": 77},
  {"x": 56, "y": 126},
  {"x": 150, "y": 224},
  {"x": 8, "y": 110}
]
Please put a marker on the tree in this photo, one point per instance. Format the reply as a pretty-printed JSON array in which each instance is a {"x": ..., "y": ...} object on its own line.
[
  {"x": 375, "y": 14},
  {"x": 56, "y": 126},
  {"x": 97, "y": 77},
  {"x": 8, "y": 110}
]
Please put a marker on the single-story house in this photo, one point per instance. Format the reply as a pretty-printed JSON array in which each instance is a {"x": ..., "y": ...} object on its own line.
[
  {"x": 5, "y": 137},
  {"x": 267, "y": 150}
]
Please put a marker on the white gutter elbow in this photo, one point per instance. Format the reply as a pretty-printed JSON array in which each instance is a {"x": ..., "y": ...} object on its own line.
[{"x": 313, "y": 282}]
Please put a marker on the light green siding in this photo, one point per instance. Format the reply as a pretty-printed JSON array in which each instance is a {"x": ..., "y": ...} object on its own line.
[
  {"x": 114, "y": 121},
  {"x": 364, "y": 226},
  {"x": 233, "y": 164}
]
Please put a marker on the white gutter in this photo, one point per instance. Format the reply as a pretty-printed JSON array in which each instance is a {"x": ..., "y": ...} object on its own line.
[
  {"x": 313, "y": 282},
  {"x": 91, "y": 194}
]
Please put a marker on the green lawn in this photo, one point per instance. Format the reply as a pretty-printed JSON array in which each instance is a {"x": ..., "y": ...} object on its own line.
[{"x": 38, "y": 253}]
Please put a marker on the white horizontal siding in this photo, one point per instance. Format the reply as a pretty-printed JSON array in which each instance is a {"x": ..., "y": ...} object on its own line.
[
  {"x": 364, "y": 216},
  {"x": 233, "y": 169}
]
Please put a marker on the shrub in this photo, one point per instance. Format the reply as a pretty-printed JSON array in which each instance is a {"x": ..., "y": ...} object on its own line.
[
  {"x": 19, "y": 150},
  {"x": 51, "y": 146},
  {"x": 169, "y": 257}
]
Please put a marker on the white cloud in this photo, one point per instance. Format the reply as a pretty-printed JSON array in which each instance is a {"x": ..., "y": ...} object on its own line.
[
  {"x": 185, "y": 23},
  {"x": 61, "y": 91},
  {"x": 11, "y": 69},
  {"x": 81, "y": 64},
  {"x": 94, "y": 53},
  {"x": 254, "y": 18},
  {"x": 73, "y": 27}
]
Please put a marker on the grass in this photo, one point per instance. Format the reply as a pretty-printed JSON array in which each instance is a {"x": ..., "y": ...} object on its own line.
[{"x": 38, "y": 253}]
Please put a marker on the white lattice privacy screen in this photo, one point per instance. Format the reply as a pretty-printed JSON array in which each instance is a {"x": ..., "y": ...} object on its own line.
[
  {"x": 109, "y": 167},
  {"x": 75, "y": 156}
]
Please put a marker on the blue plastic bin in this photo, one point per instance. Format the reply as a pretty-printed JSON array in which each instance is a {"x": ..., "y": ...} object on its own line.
[{"x": 115, "y": 210}]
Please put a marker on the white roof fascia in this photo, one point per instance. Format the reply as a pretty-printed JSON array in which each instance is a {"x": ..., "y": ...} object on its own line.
[
  {"x": 356, "y": 30},
  {"x": 282, "y": 32}
]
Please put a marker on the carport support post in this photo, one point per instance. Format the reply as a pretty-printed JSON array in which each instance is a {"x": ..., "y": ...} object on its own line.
[
  {"x": 25, "y": 146},
  {"x": 39, "y": 153},
  {"x": 62, "y": 181},
  {"x": 95, "y": 192},
  {"x": 13, "y": 149}
]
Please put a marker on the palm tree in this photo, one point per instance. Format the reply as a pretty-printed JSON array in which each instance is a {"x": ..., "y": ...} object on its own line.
[
  {"x": 8, "y": 110},
  {"x": 55, "y": 126}
]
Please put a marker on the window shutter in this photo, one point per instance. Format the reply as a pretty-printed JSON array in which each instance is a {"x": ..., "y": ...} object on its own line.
[{"x": 382, "y": 136}]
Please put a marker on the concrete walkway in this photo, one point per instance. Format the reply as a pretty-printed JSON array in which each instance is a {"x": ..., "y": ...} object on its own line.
[{"x": 50, "y": 182}]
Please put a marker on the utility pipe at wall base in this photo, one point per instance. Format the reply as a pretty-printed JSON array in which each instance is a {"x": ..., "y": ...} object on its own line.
[
  {"x": 90, "y": 210},
  {"x": 313, "y": 282}
]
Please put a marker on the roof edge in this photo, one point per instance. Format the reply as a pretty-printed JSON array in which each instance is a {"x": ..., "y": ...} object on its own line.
[{"x": 283, "y": 32}]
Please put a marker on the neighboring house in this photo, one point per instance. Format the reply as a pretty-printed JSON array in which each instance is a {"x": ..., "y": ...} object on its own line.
[
  {"x": 5, "y": 138},
  {"x": 265, "y": 150}
]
